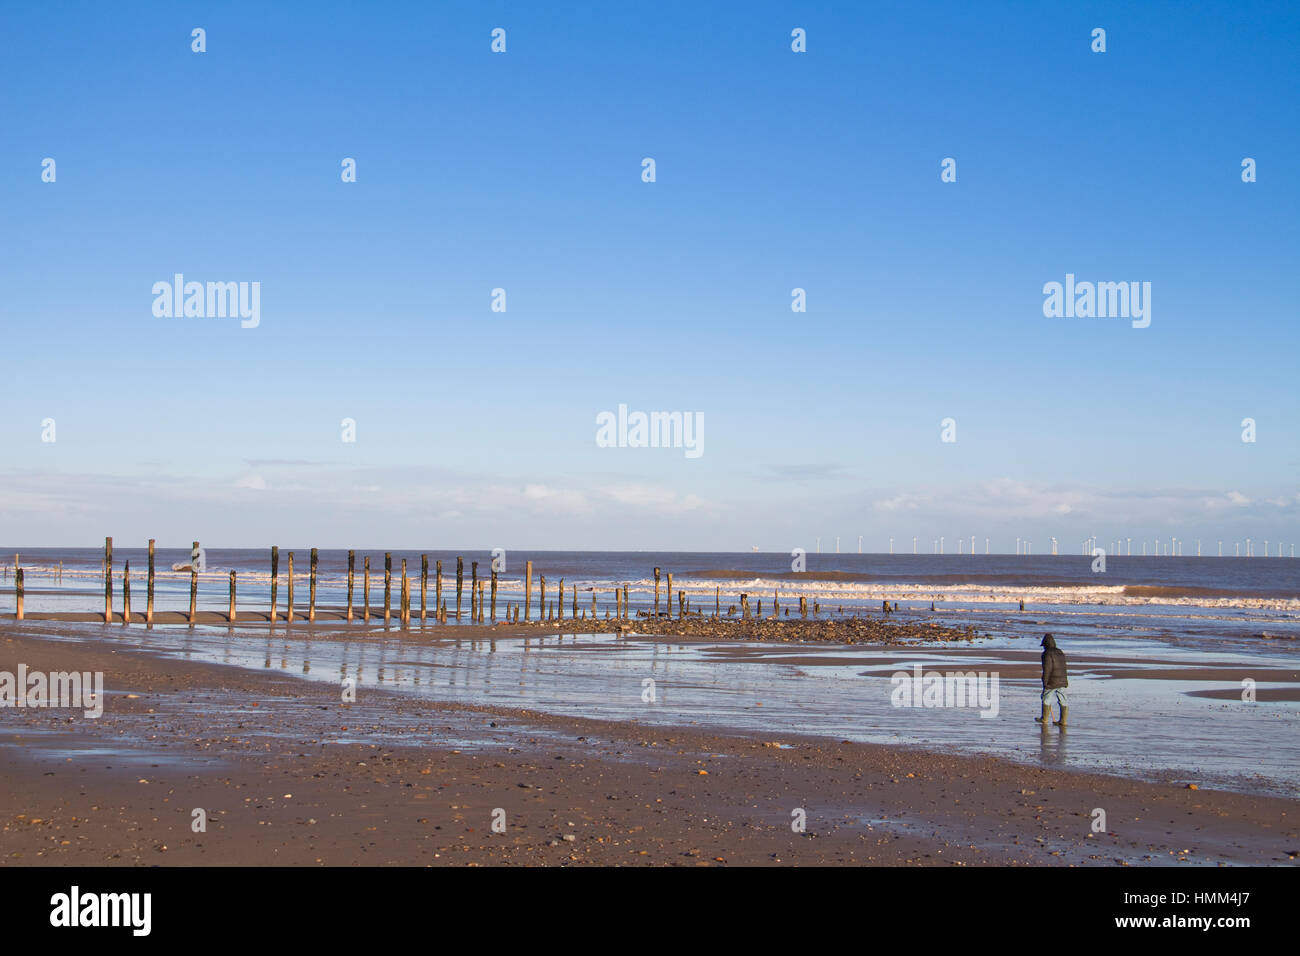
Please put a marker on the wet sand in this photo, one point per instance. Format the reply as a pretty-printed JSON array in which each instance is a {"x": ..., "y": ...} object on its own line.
[{"x": 289, "y": 774}]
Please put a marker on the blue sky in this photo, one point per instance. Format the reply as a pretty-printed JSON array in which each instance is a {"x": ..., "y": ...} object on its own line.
[{"x": 522, "y": 171}]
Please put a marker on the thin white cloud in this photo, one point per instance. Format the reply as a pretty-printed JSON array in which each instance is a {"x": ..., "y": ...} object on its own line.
[
  {"x": 903, "y": 502},
  {"x": 653, "y": 497}
]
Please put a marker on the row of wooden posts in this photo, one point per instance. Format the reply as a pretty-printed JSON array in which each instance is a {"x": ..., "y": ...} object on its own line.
[{"x": 404, "y": 611}]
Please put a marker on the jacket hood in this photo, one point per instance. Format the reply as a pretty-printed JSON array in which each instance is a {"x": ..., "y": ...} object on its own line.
[{"x": 1049, "y": 642}]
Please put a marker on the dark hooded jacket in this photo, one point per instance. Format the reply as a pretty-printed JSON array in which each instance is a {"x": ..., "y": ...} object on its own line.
[{"x": 1053, "y": 665}]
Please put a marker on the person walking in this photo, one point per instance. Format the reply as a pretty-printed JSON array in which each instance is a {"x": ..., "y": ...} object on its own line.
[{"x": 1054, "y": 682}]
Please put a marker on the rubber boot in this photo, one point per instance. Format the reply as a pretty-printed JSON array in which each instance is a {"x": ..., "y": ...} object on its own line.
[
  {"x": 1065, "y": 712},
  {"x": 1047, "y": 715}
]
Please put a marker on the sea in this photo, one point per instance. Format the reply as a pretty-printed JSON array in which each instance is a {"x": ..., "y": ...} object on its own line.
[{"x": 1188, "y": 599}]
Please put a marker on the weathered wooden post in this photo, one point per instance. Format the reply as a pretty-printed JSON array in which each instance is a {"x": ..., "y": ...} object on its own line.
[
  {"x": 126, "y": 594},
  {"x": 803, "y": 606},
  {"x": 18, "y": 594},
  {"x": 388, "y": 586},
  {"x": 424, "y": 582},
  {"x": 541, "y": 603},
  {"x": 776, "y": 604},
  {"x": 289, "y": 592},
  {"x": 480, "y": 602},
  {"x": 275, "y": 578},
  {"x": 560, "y": 602},
  {"x": 352, "y": 570},
  {"x": 232, "y": 597},
  {"x": 528, "y": 587},
  {"x": 408, "y": 600},
  {"x": 494, "y": 595},
  {"x": 473, "y": 587},
  {"x": 398, "y": 577},
  {"x": 626, "y": 613},
  {"x": 311, "y": 598},
  {"x": 593, "y": 603},
  {"x": 108, "y": 580},
  {"x": 744, "y": 605},
  {"x": 670, "y": 596},
  {"x": 681, "y": 605},
  {"x": 194, "y": 584},
  {"x": 365, "y": 588},
  {"x": 148, "y": 605},
  {"x": 717, "y": 601},
  {"x": 460, "y": 582},
  {"x": 405, "y": 598},
  {"x": 656, "y": 592},
  {"x": 437, "y": 595},
  {"x": 575, "y": 602}
]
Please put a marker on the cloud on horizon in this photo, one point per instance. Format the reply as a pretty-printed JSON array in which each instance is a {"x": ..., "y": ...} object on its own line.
[{"x": 600, "y": 512}]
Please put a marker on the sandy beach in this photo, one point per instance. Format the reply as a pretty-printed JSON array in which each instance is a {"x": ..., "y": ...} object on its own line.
[{"x": 287, "y": 773}]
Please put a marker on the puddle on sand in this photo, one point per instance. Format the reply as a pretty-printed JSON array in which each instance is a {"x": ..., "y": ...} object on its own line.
[
  {"x": 112, "y": 752},
  {"x": 1144, "y": 728},
  {"x": 1097, "y": 849}
]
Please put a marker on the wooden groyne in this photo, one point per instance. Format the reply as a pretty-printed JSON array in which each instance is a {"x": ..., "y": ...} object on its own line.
[{"x": 483, "y": 597}]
